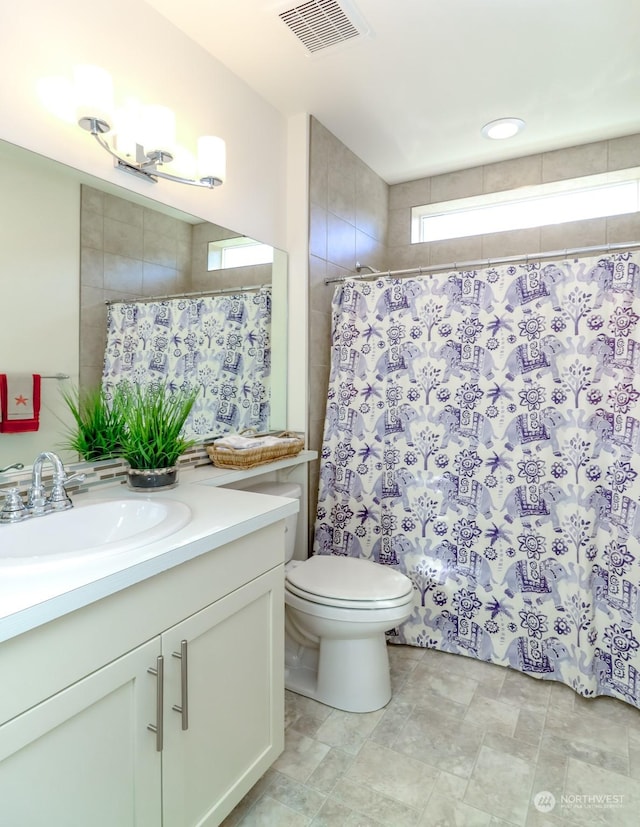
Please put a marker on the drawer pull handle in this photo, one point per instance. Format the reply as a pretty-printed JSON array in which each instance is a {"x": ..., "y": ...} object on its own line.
[
  {"x": 183, "y": 707},
  {"x": 157, "y": 727}
]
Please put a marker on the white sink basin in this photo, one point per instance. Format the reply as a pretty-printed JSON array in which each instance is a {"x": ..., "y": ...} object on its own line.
[{"x": 96, "y": 527}]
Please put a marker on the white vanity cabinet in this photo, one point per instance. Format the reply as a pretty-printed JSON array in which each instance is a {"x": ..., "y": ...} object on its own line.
[{"x": 81, "y": 708}]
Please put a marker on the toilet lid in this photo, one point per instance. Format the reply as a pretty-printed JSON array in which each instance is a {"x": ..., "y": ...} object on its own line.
[{"x": 352, "y": 580}]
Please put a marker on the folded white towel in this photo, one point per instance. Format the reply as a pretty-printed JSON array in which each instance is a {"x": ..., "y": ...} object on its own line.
[{"x": 242, "y": 443}]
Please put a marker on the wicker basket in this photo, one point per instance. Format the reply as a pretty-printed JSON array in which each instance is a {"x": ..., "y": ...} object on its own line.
[{"x": 240, "y": 459}]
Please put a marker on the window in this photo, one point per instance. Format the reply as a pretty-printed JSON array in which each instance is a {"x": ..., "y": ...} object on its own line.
[
  {"x": 594, "y": 196},
  {"x": 237, "y": 252}
]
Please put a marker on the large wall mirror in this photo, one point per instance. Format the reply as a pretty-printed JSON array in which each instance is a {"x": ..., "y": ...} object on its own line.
[{"x": 69, "y": 244}]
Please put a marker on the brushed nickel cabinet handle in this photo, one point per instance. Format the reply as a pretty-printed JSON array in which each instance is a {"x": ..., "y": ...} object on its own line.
[
  {"x": 183, "y": 707},
  {"x": 157, "y": 727}
]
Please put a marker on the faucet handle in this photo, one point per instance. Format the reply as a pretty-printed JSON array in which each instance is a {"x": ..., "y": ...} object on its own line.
[
  {"x": 59, "y": 500},
  {"x": 13, "y": 509}
]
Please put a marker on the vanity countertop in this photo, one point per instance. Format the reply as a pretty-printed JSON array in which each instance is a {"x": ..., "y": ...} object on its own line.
[{"x": 35, "y": 593}]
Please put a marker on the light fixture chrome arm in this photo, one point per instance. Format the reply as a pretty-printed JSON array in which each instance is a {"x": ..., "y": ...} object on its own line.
[{"x": 147, "y": 168}]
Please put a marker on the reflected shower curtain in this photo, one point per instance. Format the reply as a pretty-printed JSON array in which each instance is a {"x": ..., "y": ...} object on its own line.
[
  {"x": 220, "y": 344},
  {"x": 482, "y": 436}
]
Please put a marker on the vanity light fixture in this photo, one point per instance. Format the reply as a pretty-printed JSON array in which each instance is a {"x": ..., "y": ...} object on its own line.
[
  {"x": 502, "y": 128},
  {"x": 141, "y": 139}
]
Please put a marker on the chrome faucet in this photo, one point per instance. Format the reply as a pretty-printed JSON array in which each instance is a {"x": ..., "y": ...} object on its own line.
[
  {"x": 58, "y": 500},
  {"x": 38, "y": 503}
]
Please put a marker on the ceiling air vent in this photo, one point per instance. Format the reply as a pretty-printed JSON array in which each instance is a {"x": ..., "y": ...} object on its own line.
[{"x": 320, "y": 24}]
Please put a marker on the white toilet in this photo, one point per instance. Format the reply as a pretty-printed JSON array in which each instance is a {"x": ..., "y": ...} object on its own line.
[{"x": 336, "y": 615}]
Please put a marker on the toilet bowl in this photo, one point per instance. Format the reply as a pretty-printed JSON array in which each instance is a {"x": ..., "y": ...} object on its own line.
[{"x": 337, "y": 610}]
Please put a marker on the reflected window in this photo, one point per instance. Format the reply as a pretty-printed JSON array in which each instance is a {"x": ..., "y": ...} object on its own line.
[{"x": 238, "y": 252}]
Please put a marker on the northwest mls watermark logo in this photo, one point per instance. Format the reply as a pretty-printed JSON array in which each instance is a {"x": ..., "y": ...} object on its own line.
[{"x": 545, "y": 801}]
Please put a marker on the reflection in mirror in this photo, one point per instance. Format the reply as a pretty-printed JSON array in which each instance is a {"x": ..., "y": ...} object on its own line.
[{"x": 53, "y": 313}]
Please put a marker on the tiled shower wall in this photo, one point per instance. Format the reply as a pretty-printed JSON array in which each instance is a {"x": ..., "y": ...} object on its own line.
[
  {"x": 349, "y": 205},
  {"x": 357, "y": 216}
]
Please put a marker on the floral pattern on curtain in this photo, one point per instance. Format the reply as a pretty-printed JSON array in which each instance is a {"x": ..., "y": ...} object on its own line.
[
  {"x": 220, "y": 344},
  {"x": 482, "y": 436}
]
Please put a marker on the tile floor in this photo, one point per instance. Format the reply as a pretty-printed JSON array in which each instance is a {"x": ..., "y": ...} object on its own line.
[{"x": 462, "y": 743}]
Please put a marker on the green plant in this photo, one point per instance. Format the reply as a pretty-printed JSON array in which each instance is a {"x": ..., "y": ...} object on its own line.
[
  {"x": 99, "y": 424},
  {"x": 154, "y": 417}
]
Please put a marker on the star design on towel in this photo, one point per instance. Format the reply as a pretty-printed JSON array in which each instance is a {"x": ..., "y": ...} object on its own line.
[{"x": 21, "y": 400}]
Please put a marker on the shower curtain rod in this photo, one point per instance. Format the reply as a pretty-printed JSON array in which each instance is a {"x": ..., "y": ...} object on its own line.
[
  {"x": 146, "y": 299},
  {"x": 486, "y": 262}
]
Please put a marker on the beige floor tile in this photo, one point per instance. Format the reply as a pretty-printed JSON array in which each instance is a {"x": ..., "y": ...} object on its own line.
[
  {"x": 380, "y": 808},
  {"x": 395, "y": 776},
  {"x": 442, "y": 811},
  {"x": 500, "y": 784},
  {"x": 440, "y": 741},
  {"x": 530, "y": 726},
  {"x": 551, "y": 819},
  {"x": 609, "y": 736},
  {"x": 401, "y": 651},
  {"x": 424, "y": 700},
  {"x": 586, "y": 738},
  {"x": 328, "y": 772},
  {"x": 348, "y": 731},
  {"x": 301, "y": 755},
  {"x": 561, "y": 696},
  {"x": 396, "y": 714},
  {"x": 335, "y": 814},
  {"x": 492, "y": 715},
  {"x": 304, "y": 714},
  {"x": 488, "y": 675},
  {"x": 634, "y": 760},
  {"x": 511, "y": 746},
  {"x": 295, "y": 796},
  {"x": 524, "y": 691},
  {"x": 271, "y": 813},
  {"x": 589, "y": 793},
  {"x": 451, "y": 786},
  {"x": 448, "y": 685},
  {"x": 608, "y": 709},
  {"x": 551, "y": 770}
]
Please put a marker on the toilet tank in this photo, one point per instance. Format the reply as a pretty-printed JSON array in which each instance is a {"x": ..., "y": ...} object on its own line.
[{"x": 282, "y": 489}]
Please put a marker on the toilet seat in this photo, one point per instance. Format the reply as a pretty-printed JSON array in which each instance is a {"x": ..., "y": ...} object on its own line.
[{"x": 348, "y": 583}]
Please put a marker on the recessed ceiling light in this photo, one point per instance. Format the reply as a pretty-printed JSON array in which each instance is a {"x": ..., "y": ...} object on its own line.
[{"x": 502, "y": 128}]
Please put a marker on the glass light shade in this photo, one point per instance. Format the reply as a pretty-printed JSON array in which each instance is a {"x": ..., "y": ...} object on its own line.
[
  {"x": 212, "y": 157},
  {"x": 158, "y": 128},
  {"x": 93, "y": 92},
  {"x": 127, "y": 128}
]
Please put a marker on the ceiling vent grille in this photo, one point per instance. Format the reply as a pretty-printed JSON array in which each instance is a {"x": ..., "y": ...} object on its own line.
[{"x": 320, "y": 24}]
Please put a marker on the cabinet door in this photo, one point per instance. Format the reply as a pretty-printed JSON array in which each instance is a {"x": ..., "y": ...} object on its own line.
[
  {"x": 235, "y": 702},
  {"x": 85, "y": 756}
]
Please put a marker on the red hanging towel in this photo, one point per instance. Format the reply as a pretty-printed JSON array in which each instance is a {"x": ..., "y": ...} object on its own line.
[{"x": 19, "y": 403}]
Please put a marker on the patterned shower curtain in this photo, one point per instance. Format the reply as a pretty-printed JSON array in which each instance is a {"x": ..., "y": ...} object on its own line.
[
  {"x": 482, "y": 436},
  {"x": 220, "y": 344}
]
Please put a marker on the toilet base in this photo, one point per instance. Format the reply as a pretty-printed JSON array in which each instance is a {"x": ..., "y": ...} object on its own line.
[{"x": 352, "y": 675}]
